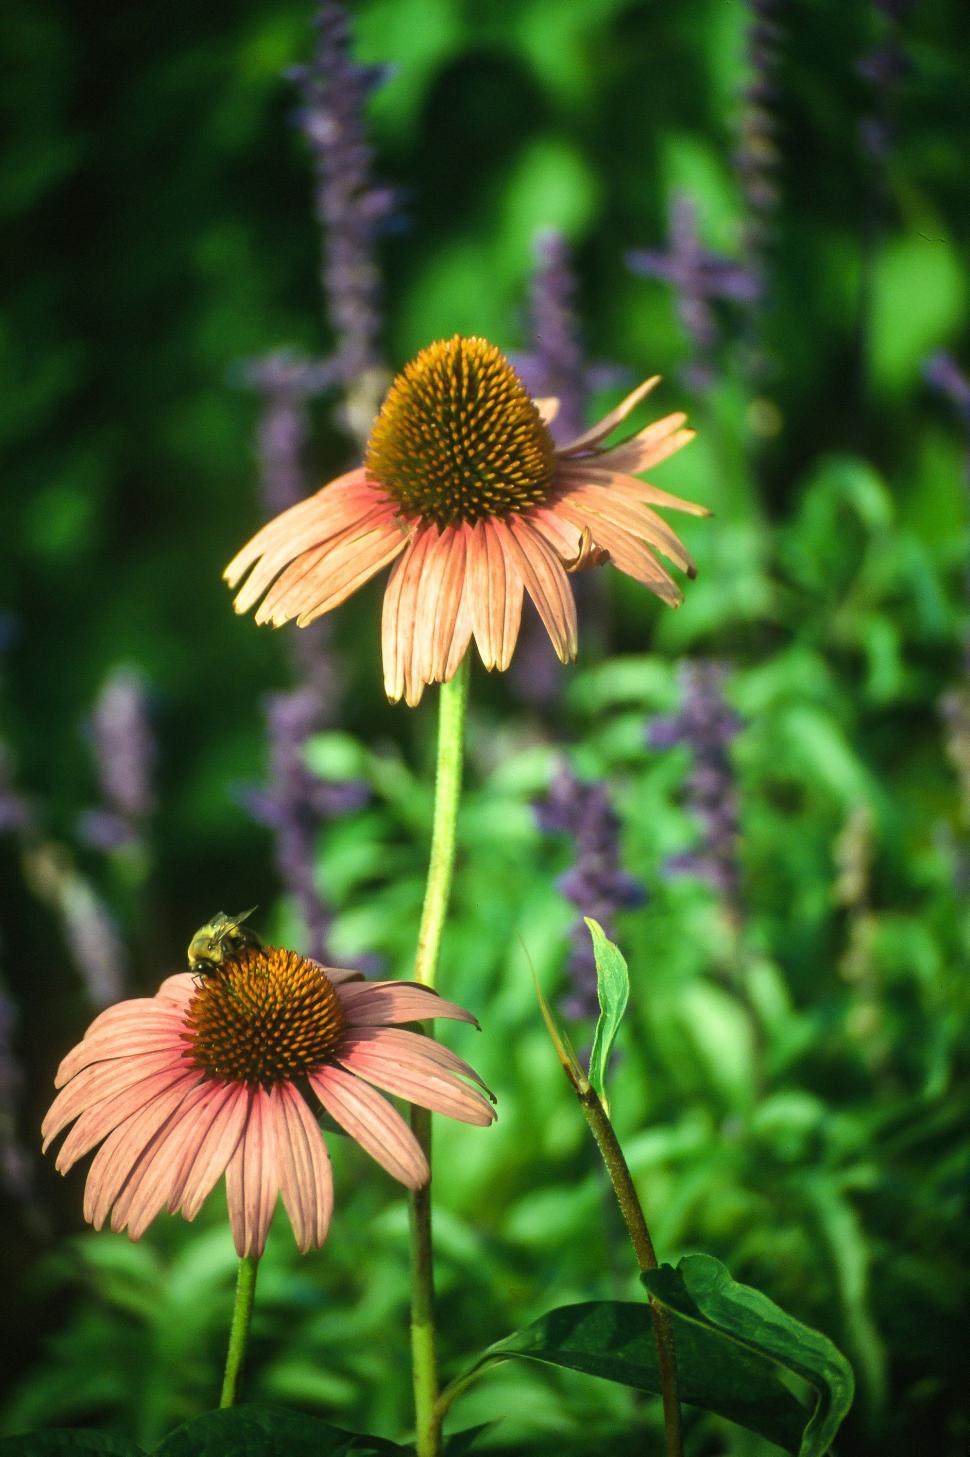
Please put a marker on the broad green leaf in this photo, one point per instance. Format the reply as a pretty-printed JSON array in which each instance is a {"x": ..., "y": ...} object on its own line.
[
  {"x": 736, "y": 1318},
  {"x": 266, "y": 1431},
  {"x": 67, "y": 1444},
  {"x": 461, "y": 1442},
  {"x": 613, "y": 990},
  {"x": 614, "y": 1340}
]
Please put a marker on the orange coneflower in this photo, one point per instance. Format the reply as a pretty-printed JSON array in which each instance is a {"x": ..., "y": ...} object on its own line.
[
  {"x": 462, "y": 483},
  {"x": 213, "y": 1076}
]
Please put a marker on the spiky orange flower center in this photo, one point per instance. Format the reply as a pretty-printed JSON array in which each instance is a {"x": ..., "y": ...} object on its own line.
[
  {"x": 265, "y": 1017},
  {"x": 458, "y": 437}
]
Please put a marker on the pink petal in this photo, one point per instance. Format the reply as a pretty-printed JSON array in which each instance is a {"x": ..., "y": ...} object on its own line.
[
  {"x": 149, "y": 1187},
  {"x": 97, "y": 1121},
  {"x": 155, "y": 1034},
  {"x": 462, "y": 633},
  {"x": 205, "y": 1158},
  {"x": 545, "y": 581},
  {"x": 415, "y": 1077},
  {"x": 400, "y": 617},
  {"x": 252, "y": 1183},
  {"x": 373, "y": 1123},
  {"x": 106, "y": 1079},
  {"x": 178, "y": 990},
  {"x": 309, "y": 522},
  {"x": 117, "y": 1158},
  {"x": 609, "y": 422},
  {"x": 306, "y": 1182},
  {"x": 380, "y": 1003},
  {"x": 133, "y": 1013},
  {"x": 495, "y": 592},
  {"x": 426, "y": 1049}
]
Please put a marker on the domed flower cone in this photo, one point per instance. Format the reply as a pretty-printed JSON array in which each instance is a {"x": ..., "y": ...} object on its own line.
[
  {"x": 223, "y": 1074},
  {"x": 463, "y": 490}
]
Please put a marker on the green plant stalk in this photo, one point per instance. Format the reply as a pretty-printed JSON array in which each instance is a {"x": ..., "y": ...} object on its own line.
[
  {"x": 242, "y": 1314},
  {"x": 452, "y": 703},
  {"x": 635, "y": 1221}
]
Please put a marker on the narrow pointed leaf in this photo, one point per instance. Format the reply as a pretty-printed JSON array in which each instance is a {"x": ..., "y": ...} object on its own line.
[
  {"x": 702, "y": 1293},
  {"x": 266, "y": 1431},
  {"x": 613, "y": 991}
]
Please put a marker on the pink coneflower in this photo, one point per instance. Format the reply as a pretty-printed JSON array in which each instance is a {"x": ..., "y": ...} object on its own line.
[
  {"x": 216, "y": 1075},
  {"x": 463, "y": 489}
]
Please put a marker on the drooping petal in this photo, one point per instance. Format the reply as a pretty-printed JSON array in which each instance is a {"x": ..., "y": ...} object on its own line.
[
  {"x": 149, "y": 1187},
  {"x": 382, "y": 1003},
  {"x": 373, "y": 1123},
  {"x": 609, "y": 422},
  {"x": 118, "y": 1156},
  {"x": 147, "y": 1033},
  {"x": 442, "y": 579},
  {"x": 626, "y": 553},
  {"x": 545, "y": 581},
  {"x": 309, "y": 523},
  {"x": 252, "y": 1182},
  {"x": 321, "y": 579},
  {"x": 462, "y": 632},
  {"x": 581, "y": 474},
  {"x": 415, "y": 1077},
  {"x": 106, "y": 1079},
  {"x": 495, "y": 594},
  {"x": 204, "y": 1159},
  {"x": 134, "y": 1013},
  {"x": 306, "y": 1182},
  {"x": 399, "y": 619},
  {"x": 101, "y": 1118},
  {"x": 599, "y": 504},
  {"x": 412, "y": 1045}
]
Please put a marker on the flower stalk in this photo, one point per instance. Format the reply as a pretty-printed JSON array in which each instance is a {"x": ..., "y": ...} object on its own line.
[
  {"x": 451, "y": 739},
  {"x": 242, "y": 1314}
]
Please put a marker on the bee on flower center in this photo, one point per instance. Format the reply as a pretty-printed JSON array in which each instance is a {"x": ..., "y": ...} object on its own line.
[{"x": 220, "y": 940}]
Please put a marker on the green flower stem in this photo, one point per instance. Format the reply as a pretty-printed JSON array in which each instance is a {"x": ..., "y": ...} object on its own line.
[
  {"x": 635, "y": 1221},
  {"x": 242, "y": 1314},
  {"x": 451, "y": 736}
]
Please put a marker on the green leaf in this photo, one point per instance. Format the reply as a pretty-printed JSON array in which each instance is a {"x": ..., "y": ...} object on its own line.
[
  {"x": 461, "y": 1442},
  {"x": 738, "y": 1318},
  {"x": 613, "y": 990},
  {"x": 266, "y": 1431},
  {"x": 66, "y": 1443},
  {"x": 731, "y": 1342}
]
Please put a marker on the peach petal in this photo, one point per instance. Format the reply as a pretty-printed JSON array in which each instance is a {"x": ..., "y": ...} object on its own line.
[
  {"x": 306, "y": 1182},
  {"x": 319, "y": 581},
  {"x": 381, "y": 1003},
  {"x": 118, "y": 1156},
  {"x": 636, "y": 452},
  {"x": 609, "y": 422},
  {"x": 252, "y": 1185},
  {"x": 415, "y": 1045},
  {"x": 546, "y": 583},
  {"x": 321, "y": 519},
  {"x": 626, "y": 485},
  {"x": 462, "y": 634},
  {"x": 495, "y": 592},
  {"x": 105, "y": 1079},
  {"x": 623, "y": 457},
  {"x": 635, "y": 517},
  {"x": 399, "y": 617},
  {"x": 205, "y": 1160},
  {"x": 443, "y": 576},
  {"x": 373, "y": 1123},
  {"x": 314, "y": 514},
  {"x": 147, "y": 1190},
  {"x": 627, "y": 553},
  {"x": 412, "y": 1076},
  {"x": 278, "y": 575}
]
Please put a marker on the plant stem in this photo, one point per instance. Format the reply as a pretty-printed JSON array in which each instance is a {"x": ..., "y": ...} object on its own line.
[
  {"x": 451, "y": 733},
  {"x": 635, "y": 1221},
  {"x": 242, "y": 1314}
]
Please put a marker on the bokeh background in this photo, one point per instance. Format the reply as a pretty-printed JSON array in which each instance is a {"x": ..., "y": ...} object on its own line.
[{"x": 780, "y": 843}]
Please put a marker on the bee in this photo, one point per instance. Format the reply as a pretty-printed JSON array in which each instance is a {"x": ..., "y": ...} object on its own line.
[{"x": 219, "y": 940}]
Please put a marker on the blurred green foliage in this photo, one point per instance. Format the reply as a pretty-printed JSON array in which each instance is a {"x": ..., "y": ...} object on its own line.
[{"x": 793, "y": 1097}]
